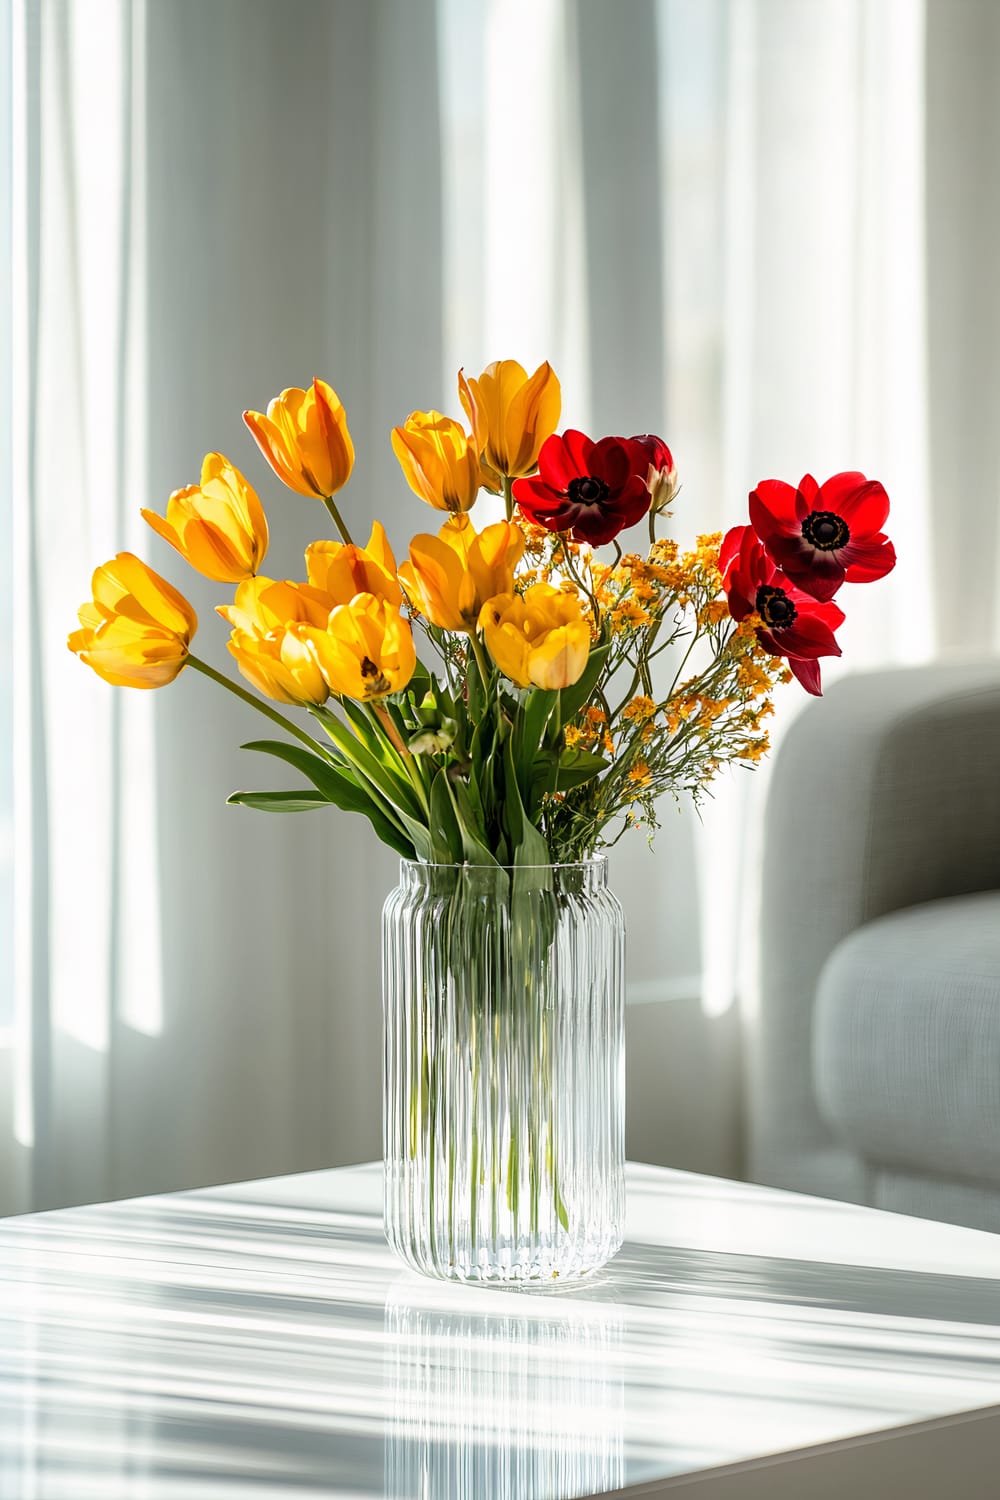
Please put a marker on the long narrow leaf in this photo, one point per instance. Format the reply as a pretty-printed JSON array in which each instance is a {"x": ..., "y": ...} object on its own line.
[
  {"x": 395, "y": 788},
  {"x": 279, "y": 801}
]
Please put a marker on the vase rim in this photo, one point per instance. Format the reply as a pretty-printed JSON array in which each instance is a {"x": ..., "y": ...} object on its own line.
[{"x": 592, "y": 862}]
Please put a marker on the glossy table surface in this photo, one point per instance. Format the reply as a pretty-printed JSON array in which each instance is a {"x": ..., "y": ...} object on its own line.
[{"x": 259, "y": 1341}]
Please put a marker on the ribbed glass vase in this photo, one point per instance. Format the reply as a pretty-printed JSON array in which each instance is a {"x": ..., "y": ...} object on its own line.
[{"x": 504, "y": 1070}]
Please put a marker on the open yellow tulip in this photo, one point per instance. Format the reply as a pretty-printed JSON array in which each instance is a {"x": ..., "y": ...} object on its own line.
[
  {"x": 305, "y": 439},
  {"x": 137, "y": 630},
  {"x": 342, "y": 571},
  {"x": 280, "y": 665},
  {"x": 366, "y": 650},
  {"x": 450, "y": 576},
  {"x": 539, "y": 638},
  {"x": 511, "y": 414},
  {"x": 218, "y": 526},
  {"x": 266, "y": 616},
  {"x": 264, "y": 605},
  {"x": 440, "y": 462}
]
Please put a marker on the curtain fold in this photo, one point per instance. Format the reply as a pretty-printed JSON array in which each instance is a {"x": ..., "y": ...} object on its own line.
[{"x": 762, "y": 228}]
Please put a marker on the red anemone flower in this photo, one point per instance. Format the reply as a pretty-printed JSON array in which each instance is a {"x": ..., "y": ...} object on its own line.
[
  {"x": 825, "y": 535},
  {"x": 792, "y": 623},
  {"x": 592, "y": 490}
]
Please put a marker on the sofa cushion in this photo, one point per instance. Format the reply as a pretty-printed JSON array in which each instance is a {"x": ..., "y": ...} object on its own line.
[{"x": 906, "y": 1041}]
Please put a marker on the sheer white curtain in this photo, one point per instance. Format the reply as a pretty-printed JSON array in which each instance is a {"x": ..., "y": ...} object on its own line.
[
  {"x": 719, "y": 221},
  {"x": 210, "y": 202}
]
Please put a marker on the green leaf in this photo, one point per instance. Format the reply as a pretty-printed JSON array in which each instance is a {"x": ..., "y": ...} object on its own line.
[
  {"x": 325, "y": 777},
  {"x": 421, "y": 839},
  {"x": 574, "y": 767},
  {"x": 281, "y": 802},
  {"x": 470, "y": 827},
  {"x": 368, "y": 765},
  {"x": 529, "y": 731},
  {"x": 444, "y": 826},
  {"x": 527, "y": 843}
]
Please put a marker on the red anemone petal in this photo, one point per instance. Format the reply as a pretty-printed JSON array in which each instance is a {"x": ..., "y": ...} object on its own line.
[
  {"x": 866, "y": 561},
  {"x": 839, "y": 490},
  {"x": 818, "y": 574},
  {"x": 731, "y": 546},
  {"x": 805, "y": 498},
  {"x": 596, "y": 527},
  {"x": 578, "y": 451},
  {"x": 866, "y": 510},
  {"x": 612, "y": 461},
  {"x": 808, "y": 635},
  {"x": 560, "y": 459},
  {"x": 633, "y": 502},
  {"x": 808, "y": 673},
  {"x": 772, "y": 508},
  {"x": 534, "y": 494}
]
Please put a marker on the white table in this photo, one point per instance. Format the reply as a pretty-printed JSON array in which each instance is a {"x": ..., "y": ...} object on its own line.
[{"x": 259, "y": 1341}]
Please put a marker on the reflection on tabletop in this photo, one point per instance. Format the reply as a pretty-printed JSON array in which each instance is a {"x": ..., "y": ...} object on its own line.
[{"x": 197, "y": 1345}]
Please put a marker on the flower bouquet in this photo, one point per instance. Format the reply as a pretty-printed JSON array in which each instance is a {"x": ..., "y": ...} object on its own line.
[{"x": 563, "y": 684}]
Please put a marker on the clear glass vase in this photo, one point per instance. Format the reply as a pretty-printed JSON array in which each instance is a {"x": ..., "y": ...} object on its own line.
[{"x": 504, "y": 1070}]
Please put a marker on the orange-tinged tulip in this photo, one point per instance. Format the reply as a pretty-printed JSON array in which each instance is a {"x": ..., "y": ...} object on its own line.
[
  {"x": 511, "y": 414},
  {"x": 450, "y": 576},
  {"x": 304, "y": 438},
  {"x": 366, "y": 650},
  {"x": 440, "y": 462},
  {"x": 280, "y": 665},
  {"x": 539, "y": 638},
  {"x": 268, "y": 617},
  {"x": 137, "y": 630},
  {"x": 217, "y": 526},
  {"x": 262, "y": 606},
  {"x": 342, "y": 571}
]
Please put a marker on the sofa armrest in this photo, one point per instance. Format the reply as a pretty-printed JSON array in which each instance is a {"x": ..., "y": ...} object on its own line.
[{"x": 884, "y": 794}]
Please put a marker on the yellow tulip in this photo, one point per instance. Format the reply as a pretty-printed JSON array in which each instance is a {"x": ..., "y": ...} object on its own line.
[
  {"x": 137, "y": 630},
  {"x": 511, "y": 415},
  {"x": 440, "y": 462},
  {"x": 450, "y": 576},
  {"x": 217, "y": 526},
  {"x": 539, "y": 638},
  {"x": 304, "y": 438},
  {"x": 366, "y": 650},
  {"x": 262, "y": 606},
  {"x": 342, "y": 571},
  {"x": 280, "y": 665}
]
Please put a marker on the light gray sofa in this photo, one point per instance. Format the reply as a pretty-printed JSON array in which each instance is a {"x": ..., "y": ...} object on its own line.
[{"x": 874, "y": 1055}]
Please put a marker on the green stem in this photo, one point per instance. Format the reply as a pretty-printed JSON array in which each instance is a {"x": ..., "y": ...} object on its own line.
[
  {"x": 508, "y": 497},
  {"x": 379, "y": 715},
  {"x": 481, "y": 660},
  {"x": 338, "y": 519},
  {"x": 264, "y": 708}
]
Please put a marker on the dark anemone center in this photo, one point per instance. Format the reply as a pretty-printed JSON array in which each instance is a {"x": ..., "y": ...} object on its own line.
[
  {"x": 775, "y": 608},
  {"x": 368, "y": 667},
  {"x": 587, "y": 490},
  {"x": 825, "y": 530}
]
